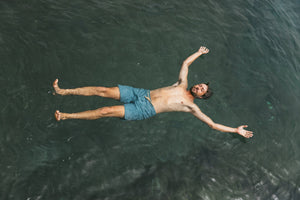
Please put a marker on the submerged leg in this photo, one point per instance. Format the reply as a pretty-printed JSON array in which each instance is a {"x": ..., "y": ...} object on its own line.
[
  {"x": 113, "y": 111},
  {"x": 112, "y": 92}
]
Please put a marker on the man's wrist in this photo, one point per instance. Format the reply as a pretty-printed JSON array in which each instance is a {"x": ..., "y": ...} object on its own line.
[{"x": 233, "y": 130}]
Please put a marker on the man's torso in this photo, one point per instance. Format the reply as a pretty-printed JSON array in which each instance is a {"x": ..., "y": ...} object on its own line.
[{"x": 170, "y": 99}]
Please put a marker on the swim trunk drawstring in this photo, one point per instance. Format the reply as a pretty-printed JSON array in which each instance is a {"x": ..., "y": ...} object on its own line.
[{"x": 148, "y": 97}]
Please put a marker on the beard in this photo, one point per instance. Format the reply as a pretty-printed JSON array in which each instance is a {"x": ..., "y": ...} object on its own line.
[{"x": 193, "y": 93}]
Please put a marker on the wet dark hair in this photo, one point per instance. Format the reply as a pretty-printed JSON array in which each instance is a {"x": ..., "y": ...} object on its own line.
[{"x": 208, "y": 93}]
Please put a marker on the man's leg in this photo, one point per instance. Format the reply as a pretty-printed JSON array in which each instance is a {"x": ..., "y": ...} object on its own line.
[
  {"x": 112, "y": 92},
  {"x": 113, "y": 111}
]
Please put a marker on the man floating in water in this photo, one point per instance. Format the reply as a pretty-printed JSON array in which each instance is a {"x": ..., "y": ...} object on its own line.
[{"x": 141, "y": 104}]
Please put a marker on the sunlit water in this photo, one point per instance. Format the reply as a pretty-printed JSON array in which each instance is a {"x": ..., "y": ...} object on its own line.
[{"x": 253, "y": 67}]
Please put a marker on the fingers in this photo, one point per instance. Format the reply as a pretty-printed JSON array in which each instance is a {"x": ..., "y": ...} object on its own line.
[
  {"x": 249, "y": 134},
  {"x": 245, "y": 133},
  {"x": 203, "y": 49}
]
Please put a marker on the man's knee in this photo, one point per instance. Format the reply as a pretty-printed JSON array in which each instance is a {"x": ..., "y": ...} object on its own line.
[
  {"x": 101, "y": 91},
  {"x": 112, "y": 111},
  {"x": 109, "y": 92},
  {"x": 105, "y": 111}
]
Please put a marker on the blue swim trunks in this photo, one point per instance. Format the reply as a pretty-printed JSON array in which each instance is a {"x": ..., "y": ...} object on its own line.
[{"x": 137, "y": 101}]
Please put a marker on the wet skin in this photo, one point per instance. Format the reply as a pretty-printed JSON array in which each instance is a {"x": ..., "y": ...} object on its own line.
[{"x": 175, "y": 98}]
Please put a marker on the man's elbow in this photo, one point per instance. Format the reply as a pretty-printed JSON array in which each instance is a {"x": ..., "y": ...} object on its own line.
[
  {"x": 212, "y": 125},
  {"x": 186, "y": 63}
]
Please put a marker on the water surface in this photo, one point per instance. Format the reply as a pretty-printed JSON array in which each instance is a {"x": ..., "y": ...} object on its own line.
[{"x": 253, "y": 68}]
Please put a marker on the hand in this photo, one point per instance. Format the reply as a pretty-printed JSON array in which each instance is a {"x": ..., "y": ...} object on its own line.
[
  {"x": 203, "y": 50},
  {"x": 243, "y": 132}
]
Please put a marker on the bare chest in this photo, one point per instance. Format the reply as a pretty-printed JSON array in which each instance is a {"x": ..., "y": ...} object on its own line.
[{"x": 170, "y": 99}]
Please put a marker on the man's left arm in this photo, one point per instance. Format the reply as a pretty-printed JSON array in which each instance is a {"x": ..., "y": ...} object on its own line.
[{"x": 195, "y": 110}]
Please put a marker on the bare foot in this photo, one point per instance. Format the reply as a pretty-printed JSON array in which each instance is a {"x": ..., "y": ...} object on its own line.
[
  {"x": 57, "y": 115},
  {"x": 56, "y": 88}
]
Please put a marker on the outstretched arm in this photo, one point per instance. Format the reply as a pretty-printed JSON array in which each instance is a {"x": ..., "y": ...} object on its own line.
[
  {"x": 185, "y": 66},
  {"x": 195, "y": 110}
]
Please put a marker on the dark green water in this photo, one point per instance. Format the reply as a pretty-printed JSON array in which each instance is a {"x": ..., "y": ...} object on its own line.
[{"x": 253, "y": 67}]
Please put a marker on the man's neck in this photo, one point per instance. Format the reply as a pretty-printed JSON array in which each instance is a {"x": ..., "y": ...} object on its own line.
[{"x": 190, "y": 96}]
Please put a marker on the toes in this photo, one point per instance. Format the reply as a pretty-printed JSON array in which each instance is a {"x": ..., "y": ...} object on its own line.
[
  {"x": 57, "y": 115},
  {"x": 55, "y": 86},
  {"x": 55, "y": 83}
]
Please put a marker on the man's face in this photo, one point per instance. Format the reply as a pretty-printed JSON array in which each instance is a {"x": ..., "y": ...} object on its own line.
[{"x": 200, "y": 89}]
